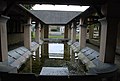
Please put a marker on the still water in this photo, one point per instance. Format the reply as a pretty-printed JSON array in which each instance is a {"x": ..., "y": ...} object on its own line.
[{"x": 56, "y": 50}]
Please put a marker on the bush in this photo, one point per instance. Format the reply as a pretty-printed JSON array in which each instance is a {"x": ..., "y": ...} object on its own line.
[{"x": 54, "y": 30}]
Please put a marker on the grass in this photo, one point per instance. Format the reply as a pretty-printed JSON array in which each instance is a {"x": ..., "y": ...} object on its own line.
[
  {"x": 53, "y": 36},
  {"x": 60, "y": 36}
]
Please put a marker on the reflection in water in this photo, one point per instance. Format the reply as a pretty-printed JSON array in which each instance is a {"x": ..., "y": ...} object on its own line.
[
  {"x": 56, "y": 50},
  {"x": 36, "y": 66}
]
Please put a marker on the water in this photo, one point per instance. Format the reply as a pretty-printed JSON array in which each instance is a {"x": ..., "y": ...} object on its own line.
[{"x": 56, "y": 50}]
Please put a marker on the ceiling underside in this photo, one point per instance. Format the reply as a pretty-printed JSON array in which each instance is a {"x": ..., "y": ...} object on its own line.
[{"x": 62, "y": 2}]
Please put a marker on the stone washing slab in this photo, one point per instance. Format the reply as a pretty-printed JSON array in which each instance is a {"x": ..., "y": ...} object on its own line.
[
  {"x": 7, "y": 68},
  {"x": 54, "y": 71},
  {"x": 14, "y": 54},
  {"x": 34, "y": 46},
  {"x": 85, "y": 49},
  {"x": 18, "y": 56}
]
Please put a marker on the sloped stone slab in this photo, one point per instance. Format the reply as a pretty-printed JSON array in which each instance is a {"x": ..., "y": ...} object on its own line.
[
  {"x": 14, "y": 54},
  {"x": 16, "y": 64},
  {"x": 23, "y": 49},
  {"x": 18, "y": 50},
  {"x": 90, "y": 51},
  {"x": 91, "y": 57},
  {"x": 25, "y": 54},
  {"x": 10, "y": 59},
  {"x": 69, "y": 42},
  {"x": 7, "y": 68},
  {"x": 81, "y": 56},
  {"x": 34, "y": 46},
  {"x": 96, "y": 53},
  {"x": 85, "y": 49},
  {"x": 41, "y": 42},
  {"x": 54, "y": 71},
  {"x": 22, "y": 59}
]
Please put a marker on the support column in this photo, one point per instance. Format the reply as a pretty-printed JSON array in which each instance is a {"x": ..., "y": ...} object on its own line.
[
  {"x": 27, "y": 34},
  {"x": 44, "y": 47},
  {"x": 27, "y": 39},
  {"x": 46, "y": 33},
  {"x": 108, "y": 39},
  {"x": 82, "y": 34},
  {"x": 109, "y": 27},
  {"x": 69, "y": 31},
  {"x": 3, "y": 40},
  {"x": 118, "y": 40},
  {"x": 37, "y": 32},
  {"x": 42, "y": 37},
  {"x": 42, "y": 32},
  {"x": 91, "y": 31},
  {"x": 99, "y": 33},
  {"x": 66, "y": 31},
  {"x": 66, "y": 47},
  {"x": 73, "y": 38},
  {"x": 37, "y": 39}
]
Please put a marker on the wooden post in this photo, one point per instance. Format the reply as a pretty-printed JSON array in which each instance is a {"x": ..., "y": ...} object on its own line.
[
  {"x": 44, "y": 47},
  {"x": 46, "y": 32},
  {"x": 66, "y": 47},
  {"x": 69, "y": 31},
  {"x": 99, "y": 33},
  {"x": 66, "y": 31},
  {"x": 27, "y": 39},
  {"x": 82, "y": 34},
  {"x": 37, "y": 32},
  {"x": 3, "y": 40},
  {"x": 37, "y": 39},
  {"x": 91, "y": 32},
  {"x": 118, "y": 40},
  {"x": 27, "y": 34},
  {"x": 73, "y": 38},
  {"x": 108, "y": 39}
]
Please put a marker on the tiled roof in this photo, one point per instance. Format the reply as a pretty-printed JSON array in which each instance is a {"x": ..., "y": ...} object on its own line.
[{"x": 55, "y": 17}]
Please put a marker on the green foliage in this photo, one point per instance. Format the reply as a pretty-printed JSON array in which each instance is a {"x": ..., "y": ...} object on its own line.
[
  {"x": 53, "y": 30},
  {"x": 33, "y": 35},
  {"x": 51, "y": 36}
]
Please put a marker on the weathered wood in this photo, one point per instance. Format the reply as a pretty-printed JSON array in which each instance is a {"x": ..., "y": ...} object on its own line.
[
  {"x": 27, "y": 34},
  {"x": 3, "y": 39}
]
